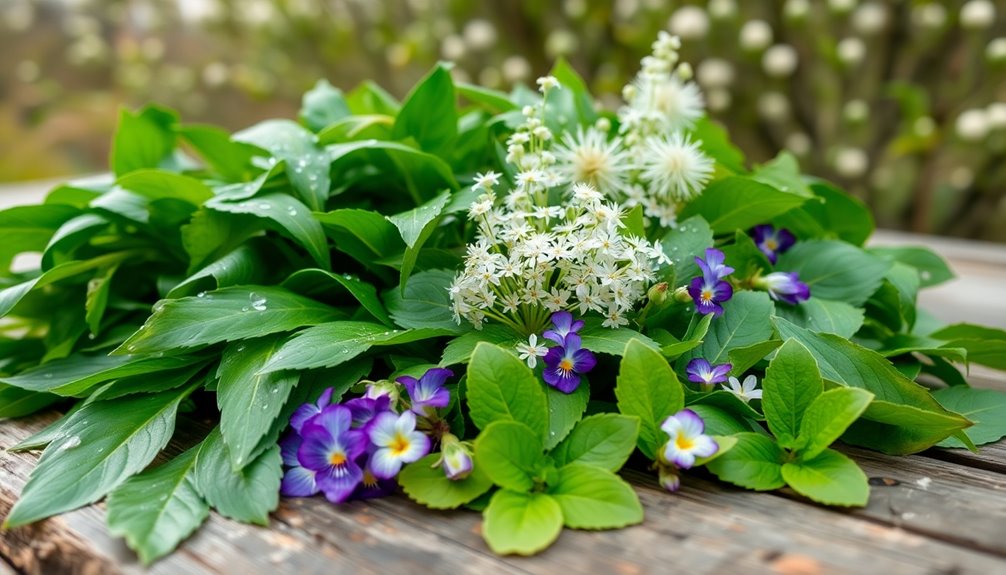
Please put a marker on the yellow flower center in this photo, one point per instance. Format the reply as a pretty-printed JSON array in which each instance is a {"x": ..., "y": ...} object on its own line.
[
  {"x": 368, "y": 478},
  {"x": 771, "y": 244},
  {"x": 684, "y": 443},
  {"x": 337, "y": 458},
  {"x": 399, "y": 445},
  {"x": 566, "y": 364},
  {"x": 707, "y": 295}
]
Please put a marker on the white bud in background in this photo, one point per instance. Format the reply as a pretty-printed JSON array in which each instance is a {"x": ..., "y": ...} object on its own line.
[
  {"x": 773, "y": 106},
  {"x": 780, "y": 61},
  {"x": 972, "y": 125},
  {"x": 798, "y": 143},
  {"x": 452, "y": 47},
  {"x": 869, "y": 19},
  {"x": 685, "y": 72},
  {"x": 215, "y": 74},
  {"x": 755, "y": 35},
  {"x": 715, "y": 73},
  {"x": 18, "y": 16},
  {"x": 851, "y": 51},
  {"x": 561, "y": 43},
  {"x": 575, "y": 8},
  {"x": 626, "y": 9},
  {"x": 842, "y": 6},
  {"x": 995, "y": 52},
  {"x": 961, "y": 178},
  {"x": 856, "y": 111},
  {"x": 930, "y": 16},
  {"x": 689, "y": 22},
  {"x": 480, "y": 34},
  {"x": 722, "y": 9},
  {"x": 516, "y": 69},
  {"x": 978, "y": 14},
  {"x": 718, "y": 99},
  {"x": 996, "y": 114},
  {"x": 851, "y": 162},
  {"x": 490, "y": 77},
  {"x": 796, "y": 9},
  {"x": 924, "y": 126}
]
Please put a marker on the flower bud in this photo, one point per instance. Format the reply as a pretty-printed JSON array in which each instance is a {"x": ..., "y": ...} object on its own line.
[
  {"x": 669, "y": 478},
  {"x": 658, "y": 293},
  {"x": 456, "y": 458}
]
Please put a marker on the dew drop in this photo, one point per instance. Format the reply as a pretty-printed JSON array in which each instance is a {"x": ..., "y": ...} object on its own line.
[
  {"x": 258, "y": 302},
  {"x": 274, "y": 390},
  {"x": 130, "y": 348},
  {"x": 91, "y": 336},
  {"x": 241, "y": 347},
  {"x": 201, "y": 294},
  {"x": 245, "y": 308},
  {"x": 70, "y": 443},
  {"x": 48, "y": 375},
  {"x": 291, "y": 211},
  {"x": 264, "y": 206}
]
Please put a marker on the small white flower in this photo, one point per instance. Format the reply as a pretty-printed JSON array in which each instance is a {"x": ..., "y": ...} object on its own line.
[
  {"x": 531, "y": 351},
  {"x": 755, "y": 35},
  {"x": 676, "y": 167},
  {"x": 978, "y": 14},
  {"x": 589, "y": 157},
  {"x": 972, "y": 125},
  {"x": 779, "y": 61},
  {"x": 487, "y": 181},
  {"x": 746, "y": 391},
  {"x": 546, "y": 83}
]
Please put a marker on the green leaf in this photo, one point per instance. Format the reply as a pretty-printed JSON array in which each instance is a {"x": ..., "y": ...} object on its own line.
[
  {"x": 835, "y": 270},
  {"x": 600, "y": 339},
  {"x": 97, "y": 299},
  {"x": 414, "y": 167},
  {"x": 369, "y": 98},
  {"x": 142, "y": 140},
  {"x": 307, "y": 164},
  {"x": 824, "y": 315},
  {"x": 246, "y": 495},
  {"x": 29, "y": 228},
  {"x": 985, "y": 407},
  {"x": 248, "y": 400},
  {"x": 827, "y": 418},
  {"x": 837, "y": 215},
  {"x": 91, "y": 460},
  {"x": 745, "y": 321},
  {"x": 792, "y": 383},
  {"x": 830, "y": 478},
  {"x": 495, "y": 100},
  {"x": 604, "y": 440},
  {"x": 322, "y": 106},
  {"x": 416, "y": 226},
  {"x": 241, "y": 266},
  {"x": 984, "y": 345},
  {"x": 648, "y": 389},
  {"x": 595, "y": 498},
  {"x": 17, "y": 402},
  {"x": 73, "y": 234},
  {"x": 460, "y": 349},
  {"x": 324, "y": 285},
  {"x": 715, "y": 142},
  {"x": 429, "y": 115},
  {"x": 334, "y": 343},
  {"x": 230, "y": 159},
  {"x": 693, "y": 338},
  {"x": 744, "y": 358},
  {"x": 683, "y": 243},
  {"x": 738, "y": 202},
  {"x": 226, "y": 314},
  {"x": 365, "y": 235},
  {"x": 291, "y": 218},
  {"x": 501, "y": 387},
  {"x": 783, "y": 174},
  {"x": 521, "y": 523},
  {"x": 564, "y": 411},
  {"x": 77, "y": 374},
  {"x": 510, "y": 453},
  {"x": 159, "y": 184},
  {"x": 425, "y": 302},
  {"x": 754, "y": 462},
  {"x": 719, "y": 422},
  {"x": 933, "y": 269},
  {"x": 426, "y": 483},
  {"x": 572, "y": 100},
  {"x": 157, "y": 509}
]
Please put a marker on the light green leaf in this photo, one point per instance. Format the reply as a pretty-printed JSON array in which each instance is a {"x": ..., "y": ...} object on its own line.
[
  {"x": 683, "y": 243},
  {"x": 932, "y": 268},
  {"x": 142, "y": 140},
  {"x": 226, "y": 314},
  {"x": 835, "y": 270},
  {"x": 792, "y": 383},
  {"x": 247, "y": 495},
  {"x": 324, "y": 285},
  {"x": 739, "y": 202},
  {"x": 838, "y": 215},
  {"x": 824, "y": 316},
  {"x": 510, "y": 453},
  {"x": 595, "y": 498},
  {"x": 307, "y": 164},
  {"x": 429, "y": 114},
  {"x": 248, "y": 400},
  {"x": 830, "y": 478},
  {"x": 69, "y": 237},
  {"x": 77, "y": 374},
  {"x": 745, "y": 321},
  {"x": 160, "y": 184},
  {"x": 600, "y": 339},
  {"x": 241, "y": 266},
  {"x": 744, "y": 358},
  {"x": 501, "y": 387},
  {"x": 754, "y": 462},
  {"x": 719, "y": 421},
  {"x": 783, "y": 174},
  {"x": 564, "y": 411},
  {"x": 322, "y": 106},
  {"x": 157, "y": 509},
  {"x": 97, "y": 299},
  {"x": 101, "y": 447},
  {"x": 425, "y": 483},
  {"x": 460, "y": 349},
  {"x": 521, "y": 523},
  {"x": 985, "y": 407},
  {"x": 827, "y": 418},
  {"x": 648, "y": 389},
  {"x": 425, "y": 302},
  {"x": 30, "y": 228},
  {"x": 416, "y": 226},
  {"x": 230, "y": 159},
  {"x": 605, "y": 440}
]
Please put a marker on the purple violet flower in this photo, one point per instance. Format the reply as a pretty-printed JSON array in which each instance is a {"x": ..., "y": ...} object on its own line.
[
  {"x": 784, "y": 286},
  {"x": 397, "y": 442},
  {"x": 365, "y": 409},
  {"x": 709, "y": 290},
  {"x": 373, "y": 487},
  {"x": 309, "y": 410},
  {"x": 702, "y": 372},
  {"x": 330, "y": 449},
  {"x": 713, "y": 266},
  {"x": 772, "y": 241},
  {"x": 428, "y": 392},
  {"x": 565, "y": 363},
  {"x": 455, "y": 458},
  {"x": 564, "y": 325},
  {"x": 298, "y": 481},
  {"x": 687, "y": 440}
]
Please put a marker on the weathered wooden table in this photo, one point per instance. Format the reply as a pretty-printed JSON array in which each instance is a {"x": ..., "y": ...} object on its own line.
[{"x": 942, "y": 511}]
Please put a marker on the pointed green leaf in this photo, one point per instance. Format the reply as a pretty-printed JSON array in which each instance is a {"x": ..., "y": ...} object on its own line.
[
  {"x": 322, "y": 106},
  {"x": 595, "y": 498},
  {"x": 324, "y": 285},
  {"x": 564, "y": 411},
  {"x": 78, "y": 373},
  {"x": 429, "y": 114},
  {"x": 510, "y": 453},
  {"x": 792, "y": 382},
  {"x": 307, "y": 164},
  {"x": 830, "y": 414},
  {"x": 426, "y": 483},
  {"x": 745, "y": 321},
  {"x": 605, "y": 440},
  {"x": 985, "y": 407},
  {"x": 830, "y": 478},
  {"x": 754, "y": 462},
  {"x": 740, "y": 202},
  {"x": 648, "y": 389},
  {"x": 247, "y": 495},
  {"x": 835, "y": 270},
  {"x": 425, "y": 302},
  {"x": 823, "y": 315},
  {"x": 142, "y": 140},
  {"x": 415, "y": 227},
  {"x": 290, "y": 216},
  {"x": 160, "y": 184},
  {"x": 501, "y": 387},
  {"x": 521, "y": 523}
]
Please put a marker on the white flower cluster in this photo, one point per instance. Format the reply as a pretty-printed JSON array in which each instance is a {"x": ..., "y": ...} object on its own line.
[{"x": 532, "y": 258}]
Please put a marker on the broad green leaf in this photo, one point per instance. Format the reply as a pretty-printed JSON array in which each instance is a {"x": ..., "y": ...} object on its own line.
[
  {"x": 142, "y": 140},
  {"x": 564, "y": 411},
  {"x": 792, "y": 383},
  {"x": 17, "y": 402},
  {"x": 334, "y": 343},
  {"x": 744, "y": 358},
  {"x": 322, "y": 106},
  {"x": 152, "y": 382},
  {"x": 425, "y": 302},
  {"x": 429, "y": 114},
  {"x": 827, "y": 418},
  {"x": 291, "y": 218},
  {"x": 103, "y": 445},
  {"x": 835, "y": 270},
  {"x": 325, "y": 285},
  {"x": 460, "y": 349},
  {"x": 783, "y": 174},
  {"x": 572, "y": 100},
  {"x": 246, "y": 495},
  {"x": 495, "y": 100},
  {"x": 985, "y": 407},
  {"x": 715, "y": 141},
  {"x": 248, "y": 400},
  {"x": 754, "y": 462},
  {"x": 683, "y": 243},
  {"x": 693, "y": 338},
  {"x": 501, "y": 387},
  {"x": 648, "y": 389},
  {"x": 157, "y": 509},
  {"x": 160, "y": 184},
  {"x": 510, "y": 453},
  {"x": 595, "y": 498},
  {"x": 824, "y": 316},
  {"x": 738, "y": 202},
  {"x": 719, "y": 422},
  {"x": 932, "y": 268},
  {"x": 426, "y": 483},
  {"x": 725, "y": 400},
  {"x": 604, "y": 440},
  {"x": 894, "y": 304},
  {"x": 211, "y": 235},
  {"x": 521, "y": 523},
  {"x": 242, "y": 266},
  {"x": 745, "y": 257},
  {"x": 369, "y": 98},
  {"x": 73, "y": 234},
  {"x": 413, "y": 166},
  {"x": 837, "y": 215},
  {"x": 416, "y": 226},
  {"x": 230, "y": 159},
  {"x": 29, "y": 228},
  {"x": 307, "y": 164},
  {"x": 830, "y": 478},
  {"x": 984, "y": 345},
  {"x": 77, "y": 374},
  {"x": 365, "y": 235},
  {"x": 600, "y": 339},
  {"x": 745, "y": 321},
  {"x": 226, "y": 314}
]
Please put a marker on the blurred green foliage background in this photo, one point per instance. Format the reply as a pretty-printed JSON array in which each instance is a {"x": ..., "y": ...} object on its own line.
[{"x": 903, "y": 102}]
